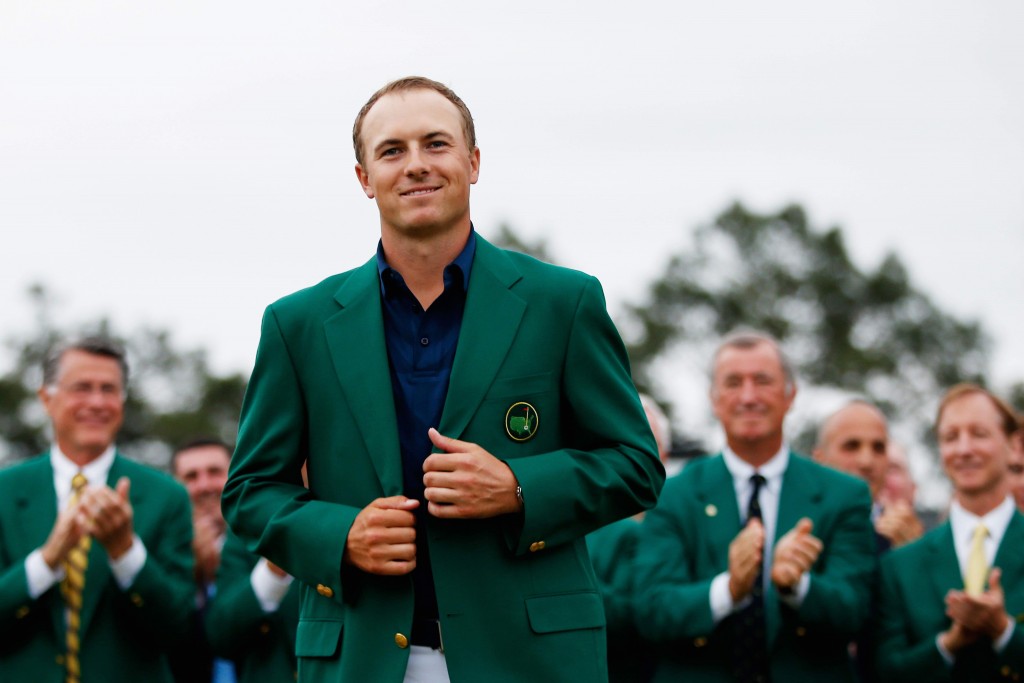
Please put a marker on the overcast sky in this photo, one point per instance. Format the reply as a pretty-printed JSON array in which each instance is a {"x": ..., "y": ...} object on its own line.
[{"x": 182, "y": 164}]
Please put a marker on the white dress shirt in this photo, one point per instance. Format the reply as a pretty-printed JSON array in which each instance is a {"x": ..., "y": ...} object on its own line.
[
  {"x": 963, "y": 524},
  {"x": 722, "y": 604},
  {"x": 39, "y": 575}
]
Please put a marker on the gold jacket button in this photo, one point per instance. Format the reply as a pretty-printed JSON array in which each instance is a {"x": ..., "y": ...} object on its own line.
[
  {"x": 264, "y": 628},
  {"x": 537, "y": 545},
  {"x": 401, "y": 641},
  {"x": 1005, "y": 671},
  {"x": 137, "y": 600},
  {"x": 22, "y": 612},
  {"x": 801, "y": 631},
  {"x": 700, "y": 642},
  {"x": 325, "y": 591}
]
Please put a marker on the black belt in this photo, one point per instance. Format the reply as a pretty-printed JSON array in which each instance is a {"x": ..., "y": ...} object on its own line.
[{"x": 427, "y": 632}]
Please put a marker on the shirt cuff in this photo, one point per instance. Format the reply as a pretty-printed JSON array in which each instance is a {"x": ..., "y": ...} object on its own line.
[
  {"x": 38, "y": 574},
  {"x": 946, "y": 654},
  {"x": 269, "y": 588},
  {"x": 999, "y": 644},
  {"x": 795, "y": 598},
  {"x": 128, "y": 566},
  {"x": 722, "y": 604}
]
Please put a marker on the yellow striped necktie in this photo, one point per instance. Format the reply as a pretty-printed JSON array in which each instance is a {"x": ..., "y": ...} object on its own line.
[
  {"x": 977, "y": 565},
  {"x": 71, "y": 588}
]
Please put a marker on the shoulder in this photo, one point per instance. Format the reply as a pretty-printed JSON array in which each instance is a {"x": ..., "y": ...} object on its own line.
[
  {"x": 17, "y": 475},
  {"x": 321, "y": 295},
  {"x": 152, "y": 481},
  {"x": 697, "y": 475},
  {"x": 831, "y": 479},
  {"x": 917, "y": 552},
  {"x": 527, "y": 271}
]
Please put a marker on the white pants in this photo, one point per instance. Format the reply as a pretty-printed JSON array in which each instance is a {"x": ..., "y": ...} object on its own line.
[{"x": 426, "y": 665}]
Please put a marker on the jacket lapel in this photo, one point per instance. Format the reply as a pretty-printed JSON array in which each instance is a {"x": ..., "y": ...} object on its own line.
[
  {"x": 493, "y": 313},
  {"x": 801, "y": 496},
  {"x": 717, "y": 504},
  {"x": 355, "y": 337},
  {"x": 1009, "y": 557},
  {"x": 97, "y": 575},
  {"x": 945, "y": 570},
  {"x": 36, "y": 507}
]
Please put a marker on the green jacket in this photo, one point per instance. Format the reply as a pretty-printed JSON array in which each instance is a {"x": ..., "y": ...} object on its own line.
[
  {"x": 517, "y": 594},
  {"x": 124, "y": 634},
  {"x": 912, "y": 611},
  {"x": 262, "y": 645},
  {"x": 684, "y": 544}
]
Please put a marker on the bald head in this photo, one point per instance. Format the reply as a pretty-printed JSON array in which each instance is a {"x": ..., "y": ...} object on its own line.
[{"x": 855, "y": 440}]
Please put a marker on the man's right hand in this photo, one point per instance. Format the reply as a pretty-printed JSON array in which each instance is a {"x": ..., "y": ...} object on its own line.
[
  {"x": 382, "y": 539},
  {"x": 745, "y": 553},
  {"x": 72, "y": 523}
]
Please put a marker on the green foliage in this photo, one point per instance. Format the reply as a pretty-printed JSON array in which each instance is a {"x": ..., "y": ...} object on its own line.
[
  {"x": 870, "y": 332},
  {"x": 173, "y": 395}
]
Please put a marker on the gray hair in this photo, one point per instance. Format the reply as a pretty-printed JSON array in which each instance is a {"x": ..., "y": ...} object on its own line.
[
  {"x": 748, "y": 338},
  {"x": 97, "y": 346}
]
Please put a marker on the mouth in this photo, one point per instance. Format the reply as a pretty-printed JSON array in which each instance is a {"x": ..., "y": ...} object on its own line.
[{"x": 419, "y": 191}]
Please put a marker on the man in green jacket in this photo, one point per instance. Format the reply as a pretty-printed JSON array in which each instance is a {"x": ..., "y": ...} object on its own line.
[
  {"x": 467, "y": 415},
  {"x": 757, "y": 563},
  {"x": 952, "y": 602},
  {"x": 95, "y": 578}
]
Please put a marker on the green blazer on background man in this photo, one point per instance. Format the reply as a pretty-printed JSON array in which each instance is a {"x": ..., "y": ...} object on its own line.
[
  {"x": 124, "y": 634},
  {"x": 262, "y": 645},
  {"x": 684, "y": 545},
  {"x": 517, "y": 594},
  {"x": 912, "y": 611}
]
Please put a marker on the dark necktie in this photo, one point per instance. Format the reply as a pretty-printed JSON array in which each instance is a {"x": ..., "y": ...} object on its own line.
[{"x": 750, "y": 649}]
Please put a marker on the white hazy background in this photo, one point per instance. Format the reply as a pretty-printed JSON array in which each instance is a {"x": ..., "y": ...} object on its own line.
[{"x": 182, "y": 164}]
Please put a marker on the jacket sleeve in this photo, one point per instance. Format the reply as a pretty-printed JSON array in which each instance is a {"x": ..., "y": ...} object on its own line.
[
  {"x": 264, "y": 501},
  {"x": 612, "y": 470}
]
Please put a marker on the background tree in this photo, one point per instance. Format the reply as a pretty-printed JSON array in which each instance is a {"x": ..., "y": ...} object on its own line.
[
  {"x": 868, "y": 332},
  {"x": 173, "y": 395}
]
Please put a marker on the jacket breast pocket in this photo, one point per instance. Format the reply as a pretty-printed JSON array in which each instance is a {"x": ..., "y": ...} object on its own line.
[{"x": 565, "y": 612}]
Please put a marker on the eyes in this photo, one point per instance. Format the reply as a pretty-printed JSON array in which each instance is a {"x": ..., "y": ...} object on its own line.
[
  {"x": 431, "y": 145},
  {"x": 855, "y": 445},
  {"x": 82, "y": 390},
  {"x": 758, "y": 380}
]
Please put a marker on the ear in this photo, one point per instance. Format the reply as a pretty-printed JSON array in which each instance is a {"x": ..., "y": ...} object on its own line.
[
  {"x": 474, "y": 163},
  {"x": 45, "y": 398},
  {"x": 364, "y": 180}
]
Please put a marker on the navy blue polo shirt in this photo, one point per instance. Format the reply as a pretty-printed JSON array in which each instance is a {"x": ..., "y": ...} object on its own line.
[{"x": 421, "y": 349}]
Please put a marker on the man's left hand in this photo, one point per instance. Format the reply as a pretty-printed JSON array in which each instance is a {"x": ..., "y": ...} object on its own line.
[
  {"x": 985, "y": 613},
  {"x": 111, "y": 516},
  {"x": 464, "y": 481},
  {"x": 795, "y": 553}
]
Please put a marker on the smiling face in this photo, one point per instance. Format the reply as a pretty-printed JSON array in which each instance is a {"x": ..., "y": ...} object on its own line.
[
  {"x": 750, "y": 396},
  {"x": 417, "y": 164},
  {"x": 975, "y": 451},
  {"x": 203, "y": 470},
  {"x": 85, "y": 404},
  {"x": 855, "y": 440}
]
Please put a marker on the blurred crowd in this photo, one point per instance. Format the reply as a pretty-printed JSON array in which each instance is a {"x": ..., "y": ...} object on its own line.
[{"x": 758, "y": 563}]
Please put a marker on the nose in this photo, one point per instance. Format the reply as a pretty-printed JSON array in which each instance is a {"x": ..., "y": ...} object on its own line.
[
  {"x": 748, "y": 392},
  {"x": 416, "y": 162}
]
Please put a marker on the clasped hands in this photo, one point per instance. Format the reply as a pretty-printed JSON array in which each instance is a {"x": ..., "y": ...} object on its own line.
[
  {"x": 463, "y": 481},
  {"x": 794, "y": 555},
  {"x": 975, "y": 616},
  {"x": 102, "y": 512}
]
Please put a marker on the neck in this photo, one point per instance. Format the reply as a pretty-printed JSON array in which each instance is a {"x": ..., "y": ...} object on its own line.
[
  {"x": 422, "y": 261},
  {"x": 983, "y": 502},
  {"x": 755, "y": 454},
  {"x": 80, "y": 457}
]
